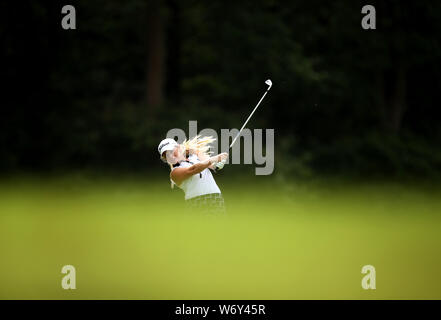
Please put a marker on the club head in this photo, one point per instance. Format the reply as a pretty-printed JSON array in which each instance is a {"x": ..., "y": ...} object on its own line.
[{"x": 269, "y": 83}]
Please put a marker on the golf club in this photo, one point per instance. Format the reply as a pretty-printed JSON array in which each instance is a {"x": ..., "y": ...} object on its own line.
[{"x": 267, "y": 82}]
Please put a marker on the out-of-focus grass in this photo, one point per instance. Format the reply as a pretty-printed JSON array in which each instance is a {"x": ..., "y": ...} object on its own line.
[{"x": 131, "y": 239}]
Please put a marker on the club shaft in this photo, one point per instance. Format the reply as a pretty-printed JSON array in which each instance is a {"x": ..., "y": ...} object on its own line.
[{"x": 240, "y": 131}]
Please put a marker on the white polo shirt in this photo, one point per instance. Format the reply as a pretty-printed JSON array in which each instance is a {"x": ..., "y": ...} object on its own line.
[{"x": 198, "y": 184}]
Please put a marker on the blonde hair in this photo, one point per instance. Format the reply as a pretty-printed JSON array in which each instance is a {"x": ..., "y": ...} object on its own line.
[
  {"x": 199, "y": 145},
  {"x": 196, "y": 145}
]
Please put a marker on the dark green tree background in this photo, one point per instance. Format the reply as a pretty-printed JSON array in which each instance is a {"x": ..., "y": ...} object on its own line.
[{"x": 345, "y": 100}]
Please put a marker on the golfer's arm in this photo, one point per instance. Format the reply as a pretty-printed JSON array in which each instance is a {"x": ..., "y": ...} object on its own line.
[
  {"x": 180, "y": 174},
  {"x": 203, "y": 157}
]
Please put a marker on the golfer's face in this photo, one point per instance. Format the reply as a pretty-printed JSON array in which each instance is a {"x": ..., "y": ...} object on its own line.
[
  {"x": 176, "y": 151},
  {"x": 173, "y": 156}
]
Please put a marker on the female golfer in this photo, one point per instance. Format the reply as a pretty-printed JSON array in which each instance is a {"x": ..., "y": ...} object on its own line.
[{"x": 190, "y": 164}]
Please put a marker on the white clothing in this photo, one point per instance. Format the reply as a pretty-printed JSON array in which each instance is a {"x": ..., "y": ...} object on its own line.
[{"x": 198, "y": 184}]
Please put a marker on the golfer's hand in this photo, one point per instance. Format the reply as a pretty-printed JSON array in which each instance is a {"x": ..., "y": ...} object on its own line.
[
  {"x": 220, "y": 165},
  {"x": 223, "y": 157},
  {"x": 218, "y": 158}
]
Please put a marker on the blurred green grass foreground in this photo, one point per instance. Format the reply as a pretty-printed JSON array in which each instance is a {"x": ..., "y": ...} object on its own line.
[{"x": 131, "y": 238}]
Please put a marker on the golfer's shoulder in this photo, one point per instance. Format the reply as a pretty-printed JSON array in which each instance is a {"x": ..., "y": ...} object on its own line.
[
  {"x": 184, "y": 164},
  {"x": 175, "y": 179},
  {"x": 193, "y": 157},
  {"x": 179, "y": 167}
]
